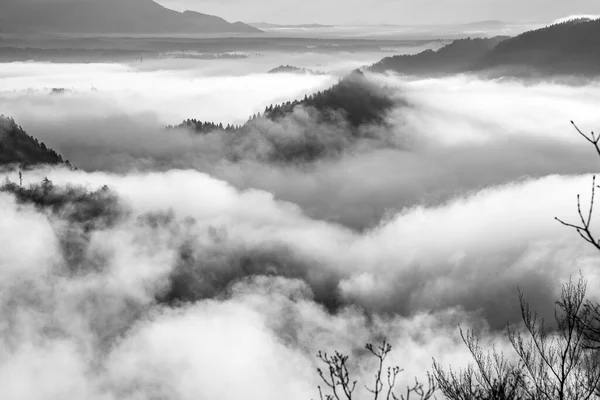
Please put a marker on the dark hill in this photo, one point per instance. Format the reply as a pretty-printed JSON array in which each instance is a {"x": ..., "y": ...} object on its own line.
[
  {"x": 357, "y": 99},
  {"x": 109, "y": 17},
  {"x": 455, "y": 57},
  {"x": 337, "y": 118},
  {"x": 568, "y": 48},
  {"x": 571, "y": 47},
  {"x": 17, "y": 147}
]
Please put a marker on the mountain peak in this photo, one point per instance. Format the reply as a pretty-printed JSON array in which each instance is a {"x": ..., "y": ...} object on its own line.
[{"x": 109, "y": 17}]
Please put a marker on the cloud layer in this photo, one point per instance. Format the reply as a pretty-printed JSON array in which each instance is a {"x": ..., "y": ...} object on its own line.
[
  {"x": 265, "y": 286},
  {"x": 447, "y": 137},
  {"x": 163, "y": 268}
]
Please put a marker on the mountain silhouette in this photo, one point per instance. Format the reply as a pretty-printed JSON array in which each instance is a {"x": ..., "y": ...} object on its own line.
[
  {"x": 571, "y": 47},
  {"x": 568, "y": 48},
  {"x": 456, "y": 57},
  {"x": 109, "y": 17},
  {"x": 339, "y": 117}
]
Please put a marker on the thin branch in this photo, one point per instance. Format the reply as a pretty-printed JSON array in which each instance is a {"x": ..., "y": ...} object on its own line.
[
  {"x": 593, "y": 140},
  {"x": 584, "y": 230}
]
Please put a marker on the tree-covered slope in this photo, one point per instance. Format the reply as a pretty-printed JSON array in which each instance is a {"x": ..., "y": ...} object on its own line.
[
  {"x": 320, "y": 125},
  {"x": 455, "y": 57},
  {"x": 568, "y": 48},
  {"x": 571, "y": 47},
  {"x": 17, "y": 147}
]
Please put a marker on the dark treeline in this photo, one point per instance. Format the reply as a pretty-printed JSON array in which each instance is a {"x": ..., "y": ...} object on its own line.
[
  {"x": 334, "y": 119},
  {"x": 206, "y": 127},
  {"x": 85, "y": 211},
  {"x": 17, "y": 147},
  {"x": 359, "y": 100},
  {"x": 571, "y": 47},
  {"x": 455, "y": 57},
  {"x": 74, "y": 203},
  {"x": 568, "y": 48}
]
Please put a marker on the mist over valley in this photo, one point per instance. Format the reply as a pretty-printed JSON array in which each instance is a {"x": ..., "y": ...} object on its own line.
[{"x": 191, "y": 212}]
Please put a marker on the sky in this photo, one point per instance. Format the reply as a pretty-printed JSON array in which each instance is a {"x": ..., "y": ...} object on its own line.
[{"x": 388, "y": 11}]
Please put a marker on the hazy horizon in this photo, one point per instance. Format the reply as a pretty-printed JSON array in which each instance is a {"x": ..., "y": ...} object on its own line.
[
  {"x": 411, "y": 12},
  {"x": 377, "y": 12}
]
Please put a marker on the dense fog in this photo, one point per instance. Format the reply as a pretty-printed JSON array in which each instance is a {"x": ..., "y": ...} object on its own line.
[{"x": 174, "y": 264}]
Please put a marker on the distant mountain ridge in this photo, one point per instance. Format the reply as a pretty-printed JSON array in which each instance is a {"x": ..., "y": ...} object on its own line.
[
  {"x": 294, "y": 70},
  {"x": 109, "y": 17},
  {"x": 267, "y": 25},
  {"x": 455, "y": 57},
  {"x": 567, "y": 48},
  {"x": 571, "y": 47}
]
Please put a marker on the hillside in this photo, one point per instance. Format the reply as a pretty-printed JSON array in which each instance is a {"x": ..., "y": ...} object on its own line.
[
  {"x": 303, "y": 132},
  {"x": 455, "y": 57},
  {"x": 17, "y": 147},
  {"x": 571, "y": 47},
  {"x": 568, "y": 48},
  {"x": 109, "y": 17},
  {"x": 355, "y": 98}
]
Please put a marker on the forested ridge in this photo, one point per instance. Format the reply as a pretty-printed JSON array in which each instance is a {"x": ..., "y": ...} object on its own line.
[
  {"x": 455, "y": 57},
  {"x": 17, "y": 147},
  {"x": 301, "y": 130},
  {"x": 358, "y": 99},
  {"x": 567, "y": 48}
]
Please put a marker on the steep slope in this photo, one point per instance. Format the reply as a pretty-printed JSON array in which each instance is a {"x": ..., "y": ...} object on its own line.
[
  {"x": 358, "y": 100},
  {"x": 108, "y": 17},
  {"x": 302, "y": 131},
  {"x": 572, "y": 47},
  {"x": 455, "y": 57},
  {"x": 568, "y": 48},
  {"x": 17, "y": 147}
]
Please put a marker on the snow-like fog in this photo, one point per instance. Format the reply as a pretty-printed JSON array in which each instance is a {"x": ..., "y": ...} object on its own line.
[{"x": 200, "y": 276}]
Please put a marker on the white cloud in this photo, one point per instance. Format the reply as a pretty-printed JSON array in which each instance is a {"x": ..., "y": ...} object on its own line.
[
  {"x": 187, "y": 92},
  {"x": 450, "y": 222}
]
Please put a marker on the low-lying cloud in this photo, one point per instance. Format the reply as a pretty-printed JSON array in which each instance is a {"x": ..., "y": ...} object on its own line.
[
  {"x": 213, "y": 227},
  {"x": 174, "y": 264},
  {"x": 446, "y": 136},
  {"x": 170, "y": 91},
  {"x": 267, "y": 286}
]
